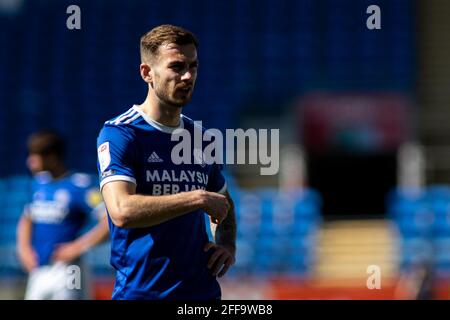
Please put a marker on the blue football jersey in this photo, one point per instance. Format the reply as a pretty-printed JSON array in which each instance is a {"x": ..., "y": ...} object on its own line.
[
  {"x": 59, "y": 209},
  {"x": 165, "y": 261}
]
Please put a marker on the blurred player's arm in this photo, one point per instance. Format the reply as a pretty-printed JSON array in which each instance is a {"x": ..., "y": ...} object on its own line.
[
  {"x": 224, "y": 255},
  {"x": 225, "y": 233},
  {"x": 25, "y": 251},
  {"x": 130, "y": 210},
  {"x": 69, "y": 251}
]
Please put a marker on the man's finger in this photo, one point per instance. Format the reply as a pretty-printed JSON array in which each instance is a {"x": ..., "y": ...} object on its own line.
[
  {"x": 226, "y": 266},
  {"x": 214, "y": 257},
  {"x": 208, "y": 246},
  {"x": 219, "y": 263}
]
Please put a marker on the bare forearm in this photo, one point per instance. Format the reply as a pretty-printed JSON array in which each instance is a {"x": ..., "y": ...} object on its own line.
[
  {"x": 146, "y": 211},
  {"x": 24, "y": 232},
  {"x": 225, "y": 233},
  {"x": 94, "y": 236},
  {"x": 25, "y": 252}
]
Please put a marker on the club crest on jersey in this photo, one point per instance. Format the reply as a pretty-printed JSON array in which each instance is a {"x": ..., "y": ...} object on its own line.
[
  {"x": 62, "y": 196},
  {"x": 38, "y": 196},
  {"x": 104, "y": 156},
  {"x": 154, "y": 158}
]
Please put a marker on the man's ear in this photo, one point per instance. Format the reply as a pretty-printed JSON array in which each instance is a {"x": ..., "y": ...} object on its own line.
[{"x": 146, "y": 74}]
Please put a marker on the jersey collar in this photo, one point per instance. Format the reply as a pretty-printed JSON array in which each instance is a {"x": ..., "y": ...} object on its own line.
[{"x": 157, "y": 125}]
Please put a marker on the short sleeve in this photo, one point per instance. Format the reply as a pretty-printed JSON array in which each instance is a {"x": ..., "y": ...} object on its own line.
[
  {"x": 216, "y": 180},
  {"x": 115, "y": 155}
]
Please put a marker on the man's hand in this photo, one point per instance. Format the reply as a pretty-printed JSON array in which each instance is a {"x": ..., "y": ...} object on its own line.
[
  {"x": 221, "y": 260},
  {"x": 28, "y": 258},
  {"x": 67, "y": 252},
  {"x": 216, "y": 205}
]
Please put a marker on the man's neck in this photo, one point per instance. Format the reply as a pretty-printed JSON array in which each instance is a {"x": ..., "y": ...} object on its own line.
[
  {"x": 58, "y": 172},
  {"x": 167, "y": 115}
]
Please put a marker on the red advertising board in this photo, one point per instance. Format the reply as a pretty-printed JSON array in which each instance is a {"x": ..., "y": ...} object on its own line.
[{"x": 354, "y": 122}]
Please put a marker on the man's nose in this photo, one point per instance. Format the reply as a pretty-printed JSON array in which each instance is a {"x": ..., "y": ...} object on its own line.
[{"x": 187, "y": 75}]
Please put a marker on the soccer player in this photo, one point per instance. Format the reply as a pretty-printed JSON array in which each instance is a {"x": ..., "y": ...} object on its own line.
[
  {"x": 48, "y": 240},
  {"x": 159, "y": 244}
]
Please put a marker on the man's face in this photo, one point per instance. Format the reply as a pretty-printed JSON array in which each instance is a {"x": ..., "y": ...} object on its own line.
[
  {"x": 174, "y": 73},
  {"x": 35, "y": 163},
  {"x": 41, "y": 162}
]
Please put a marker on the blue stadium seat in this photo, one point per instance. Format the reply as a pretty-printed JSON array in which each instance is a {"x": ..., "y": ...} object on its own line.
[
  {"x": 415, "y": 251},
  {"x": 438, "y": 198},
  {"x": 423, "y": 220},
  {"x": 18, "y": 183},
  {"x": 442, "y": 256},
  {"x": 245, "y": 256},
  {"x": 411, "y": 213},
  {"x": 98, "y": 258},
  {"x": 249, "y": 214}
]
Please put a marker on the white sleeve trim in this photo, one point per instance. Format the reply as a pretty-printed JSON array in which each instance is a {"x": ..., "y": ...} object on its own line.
[
  {"x": 116, "y": 178},
  {"x": 223, "y": 189}
]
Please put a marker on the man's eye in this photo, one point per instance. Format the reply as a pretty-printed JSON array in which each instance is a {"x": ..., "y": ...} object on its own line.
[{"x": 176, "y": 67}]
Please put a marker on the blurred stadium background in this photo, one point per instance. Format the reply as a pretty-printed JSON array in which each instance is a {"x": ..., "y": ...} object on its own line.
[{"x": 363, "y": 116}]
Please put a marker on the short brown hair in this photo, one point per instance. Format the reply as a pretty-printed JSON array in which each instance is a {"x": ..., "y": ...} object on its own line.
[
  {"x": 46, "y": 142},
  {"x": 164, "y": 34}
]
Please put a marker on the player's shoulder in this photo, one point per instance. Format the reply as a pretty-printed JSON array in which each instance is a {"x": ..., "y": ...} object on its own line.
[
  {"x": 192, "y": 124},
  {"x": 84, "y": 188},
  {"x": 122, "y": 125},
  {"x": 43, "y": 177},
  {"x": 125, "y": 118},
  {"x": 81, "y": 180}
]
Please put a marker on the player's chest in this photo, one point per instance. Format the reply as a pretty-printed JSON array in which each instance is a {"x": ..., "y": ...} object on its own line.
[
  {"x": 51, "y": 205},
  {"x": 164, "y": 169}
]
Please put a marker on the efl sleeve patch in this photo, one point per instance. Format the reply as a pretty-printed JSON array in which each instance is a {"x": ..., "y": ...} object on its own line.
[{"x": 104, "y": 156}]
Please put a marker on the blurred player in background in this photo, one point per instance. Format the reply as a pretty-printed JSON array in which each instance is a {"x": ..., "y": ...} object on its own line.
[
  {"x": 48, "y": 238},
  {"x": 416, "y": 283},
  {"x": 159, "y": 244}
]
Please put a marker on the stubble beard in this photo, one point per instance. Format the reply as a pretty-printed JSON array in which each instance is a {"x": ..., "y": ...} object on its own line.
[{"x": 166, "y": 96}]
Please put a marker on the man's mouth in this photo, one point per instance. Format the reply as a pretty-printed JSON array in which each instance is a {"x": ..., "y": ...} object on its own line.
[{"x": 185, "y": 89}]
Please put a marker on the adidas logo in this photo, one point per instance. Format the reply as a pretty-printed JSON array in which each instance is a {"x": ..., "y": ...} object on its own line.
[{"x": 154, "y": 158}]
